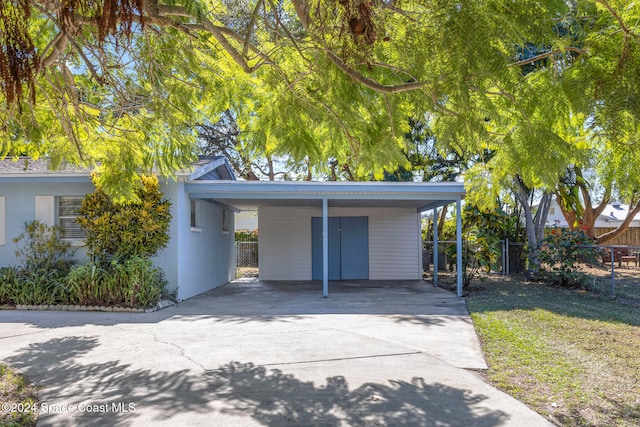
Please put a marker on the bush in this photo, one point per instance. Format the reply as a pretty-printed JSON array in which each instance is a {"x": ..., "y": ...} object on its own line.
[
  {"x": 122, "y": 231},
  {"x": 563, "y": 251},
  {"x": 39, "y": 247},
  {"x": 40, "y": 287},
  {"x": 135, "y": 282},
  {"x": 45, "y": 260}
]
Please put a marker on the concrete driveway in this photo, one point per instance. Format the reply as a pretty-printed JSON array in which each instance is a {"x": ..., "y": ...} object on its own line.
[{"x": 265, "y": 354}]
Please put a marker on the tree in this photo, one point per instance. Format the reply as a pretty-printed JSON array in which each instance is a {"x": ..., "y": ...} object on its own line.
[
  {"x": 576, "y": 201},
  {"x": 329, "y": 80},
  {"x": 122, "y": 84}
]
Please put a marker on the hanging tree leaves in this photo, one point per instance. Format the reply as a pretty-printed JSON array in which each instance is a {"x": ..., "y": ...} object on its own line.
[
  {"x": 18, "y": 56},
  {"x": 123, "y": 83}
]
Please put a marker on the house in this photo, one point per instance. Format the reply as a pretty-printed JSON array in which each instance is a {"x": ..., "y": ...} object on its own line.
[
  {"x": 200, "y": 252},
  {"x": 374, "y": 228},
  {"x": 611, "y": 217}
]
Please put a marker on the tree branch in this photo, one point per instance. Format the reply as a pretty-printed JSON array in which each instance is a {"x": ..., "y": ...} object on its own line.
[
  {"x": 622, "y": 227},
  {"x": 623, "y": 26},
  {"x": 370, "y": 83},
  {"x": 546, "y": 55}
]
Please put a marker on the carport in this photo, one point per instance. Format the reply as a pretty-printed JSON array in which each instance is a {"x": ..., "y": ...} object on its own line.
[{"x": 342, "y": 196}]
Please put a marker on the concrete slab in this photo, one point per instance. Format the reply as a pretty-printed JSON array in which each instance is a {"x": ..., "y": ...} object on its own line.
[{"x": 265, "y": 354}]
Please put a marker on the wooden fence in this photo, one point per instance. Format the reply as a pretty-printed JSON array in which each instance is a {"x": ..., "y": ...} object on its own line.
[{"x": 630, "y": 237}]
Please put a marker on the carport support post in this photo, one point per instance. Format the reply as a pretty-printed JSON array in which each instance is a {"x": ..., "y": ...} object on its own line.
[
  {"x": 435, "y": 247},
  {"x": 325, "y": 247},
  {"x": 459, "y": 245}
]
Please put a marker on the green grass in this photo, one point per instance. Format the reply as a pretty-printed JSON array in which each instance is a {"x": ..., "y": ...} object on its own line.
[
  {"x": 17, "y": 399},
  {"x": 572, "y": 356}
]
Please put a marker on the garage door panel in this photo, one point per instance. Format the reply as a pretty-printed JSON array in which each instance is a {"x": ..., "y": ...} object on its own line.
[
  {"x": 348, "y": 248},
  {"x": 354, "y": 246}
]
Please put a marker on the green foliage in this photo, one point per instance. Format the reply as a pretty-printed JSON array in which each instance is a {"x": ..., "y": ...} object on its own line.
[
  {"x": 45, "y": 260},
  {"x": 135, "y": 282},
  {"x": 16, "y": 391},
  {"x": 39, "y": 247},
  {"x": 122, "y": 231},
  {"x": 483, "y": 230},
  {"x": 563, "y": 250},
  {"x": 34, "y": 287},
  {"x": 47, "y": 276},
  {"x": 246, "y": 236}
]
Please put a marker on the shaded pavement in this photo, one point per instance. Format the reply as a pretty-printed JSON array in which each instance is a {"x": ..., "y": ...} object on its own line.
[{"x": 265, "y": 354}]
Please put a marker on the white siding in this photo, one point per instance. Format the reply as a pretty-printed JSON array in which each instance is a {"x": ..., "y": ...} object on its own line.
[
  {"x": 393, "y": 246},
  {"x": 285, "y": 242}
]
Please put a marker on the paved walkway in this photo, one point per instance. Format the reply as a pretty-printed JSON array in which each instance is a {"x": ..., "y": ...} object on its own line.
[{"x": 264, "y": 354}]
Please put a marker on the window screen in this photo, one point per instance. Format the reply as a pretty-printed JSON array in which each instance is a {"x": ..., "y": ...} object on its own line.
[{"x": 68, "y": 208}]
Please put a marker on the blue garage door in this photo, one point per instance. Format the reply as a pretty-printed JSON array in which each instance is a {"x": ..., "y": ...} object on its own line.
[{"x": 348, "y": 248}]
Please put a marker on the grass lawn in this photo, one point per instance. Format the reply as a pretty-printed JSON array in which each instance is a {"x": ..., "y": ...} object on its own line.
[
  {"x": 572, "y": 356},
  {"x": 17, "y": 398}
]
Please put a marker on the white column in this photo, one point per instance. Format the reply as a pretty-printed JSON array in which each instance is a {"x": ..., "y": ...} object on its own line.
[
  {"x": 435, "y": 247},
  {"x": 325, "y": 247},
  {"x": 459, "y": 246}
]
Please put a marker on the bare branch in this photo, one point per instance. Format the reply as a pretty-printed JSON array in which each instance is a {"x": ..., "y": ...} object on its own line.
[
  {"x": 57, "y": 46},
  {"x": 252, "y": 22},
  {"x": 302, "y": 10}
]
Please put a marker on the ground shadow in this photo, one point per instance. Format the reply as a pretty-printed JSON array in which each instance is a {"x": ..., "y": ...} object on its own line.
[
  {"x": 270, "y": 397},
  {"x": 416, "y": 302},
  {"x": 567, "y": 302}
]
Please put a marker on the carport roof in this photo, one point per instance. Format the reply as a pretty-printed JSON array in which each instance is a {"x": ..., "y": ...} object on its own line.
[{"x": 249, "y": 195}]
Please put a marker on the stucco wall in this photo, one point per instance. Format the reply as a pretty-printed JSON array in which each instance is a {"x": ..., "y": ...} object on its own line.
[
  {"x": 285, "y": 242},
  {"x": 196, "y": 259},
  {"x": 202, "y": 258},
  {"x": 193, "y": 262},
  {"x": 20, "y": 207}
]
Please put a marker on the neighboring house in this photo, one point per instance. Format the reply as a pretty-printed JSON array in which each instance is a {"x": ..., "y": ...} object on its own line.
[
  {"x": 611, "y": 217},
  {"x": 374, "y": 228},
  {"x": 247, "y": 221}
]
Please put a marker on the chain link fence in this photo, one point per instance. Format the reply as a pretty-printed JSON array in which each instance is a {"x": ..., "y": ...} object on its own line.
[
  {"x": 246, "y": 254},
  {"x": 610, "y": 270}
]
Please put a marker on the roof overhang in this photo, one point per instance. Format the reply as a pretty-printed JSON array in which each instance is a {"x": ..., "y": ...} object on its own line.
[
  {"x": 60, "y": 178},
  {"x": 250, "y": 195}
]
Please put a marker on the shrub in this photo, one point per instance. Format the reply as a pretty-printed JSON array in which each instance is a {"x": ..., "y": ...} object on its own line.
[
  {"x": 135, "y": 282},
  {"x": 44, "y": 260},
  {"x": 563, "y": 251},
  {"x": 84, "y": 284},
  {"x": 8, "y": 284},
  {"x": 21, "y": 286},
  {"x": 39, "y": 247},
  {"x": 122, "y": 231}
]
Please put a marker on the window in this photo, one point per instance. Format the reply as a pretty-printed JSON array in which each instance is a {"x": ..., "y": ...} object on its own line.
[
  {"x": 225, "y": 220},
  {"x": 552, "y": 211},
  {"x": 195, "y": 216},
  {"x": 68, "y": 208}
]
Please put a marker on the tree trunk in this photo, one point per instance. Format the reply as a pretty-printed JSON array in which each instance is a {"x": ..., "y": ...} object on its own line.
[{"x": 532, "y": 233}]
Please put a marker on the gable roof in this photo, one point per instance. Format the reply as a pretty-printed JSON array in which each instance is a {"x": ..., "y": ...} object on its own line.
[{"x": 14, "y": 170}]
